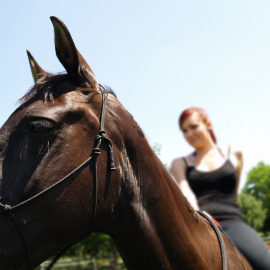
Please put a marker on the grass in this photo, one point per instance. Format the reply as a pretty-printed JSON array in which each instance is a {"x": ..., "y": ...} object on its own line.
[{"x": 85, "y": 264}]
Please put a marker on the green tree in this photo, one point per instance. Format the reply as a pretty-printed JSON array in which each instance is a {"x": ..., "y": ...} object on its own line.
[
  {"x": 258, "y": 185},
  {"x": 97, "y": 244},
  {"x": 157, "y": 148},
  {"x": 252, "y": 210}
]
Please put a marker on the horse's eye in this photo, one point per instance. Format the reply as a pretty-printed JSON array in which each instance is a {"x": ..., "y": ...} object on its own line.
[{"x": 41, "y": 127}]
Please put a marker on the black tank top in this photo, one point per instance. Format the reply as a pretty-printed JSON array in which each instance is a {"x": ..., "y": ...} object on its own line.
[{"x": 216, "y": 191}]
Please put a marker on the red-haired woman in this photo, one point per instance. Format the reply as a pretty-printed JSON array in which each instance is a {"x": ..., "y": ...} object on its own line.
[{"x": 210, "y": 178}]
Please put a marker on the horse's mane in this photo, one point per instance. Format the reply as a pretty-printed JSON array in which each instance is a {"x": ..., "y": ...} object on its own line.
[{"x": 47, "y": 85}]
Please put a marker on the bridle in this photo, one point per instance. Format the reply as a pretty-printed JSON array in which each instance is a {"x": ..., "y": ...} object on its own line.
[{"x": 7, "y": 209}]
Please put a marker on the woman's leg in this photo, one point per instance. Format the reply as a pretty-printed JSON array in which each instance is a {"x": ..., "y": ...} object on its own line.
[{"x": 249, "y": 243}]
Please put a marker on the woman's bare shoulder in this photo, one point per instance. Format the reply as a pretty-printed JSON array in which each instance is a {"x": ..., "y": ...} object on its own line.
[
  {"x": 178, "y": 169},
  {"x": 180, "y": 161},
  {"x": 177, "y": 162},
  {"x": 238, "y": 154},
  {"x": 231, "y": 152},
  {"x": 236, "y": 158}
]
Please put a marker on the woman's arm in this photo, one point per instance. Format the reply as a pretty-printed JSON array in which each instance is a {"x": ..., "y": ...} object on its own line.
[
  {"x": 239, "y": 166},
  {"x": 178, "y": 171}
]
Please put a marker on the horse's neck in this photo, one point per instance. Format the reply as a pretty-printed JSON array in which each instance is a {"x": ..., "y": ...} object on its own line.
[{"x": 157, "y": 229}]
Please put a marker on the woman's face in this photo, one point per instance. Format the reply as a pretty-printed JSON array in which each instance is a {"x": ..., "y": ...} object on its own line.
[{"x": 196, "y": 131}]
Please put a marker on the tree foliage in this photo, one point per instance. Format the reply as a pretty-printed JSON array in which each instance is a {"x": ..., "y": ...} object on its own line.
[
  {"x": 252, "y": 210},
  {"x": 258, "y": 185},
  {"x": 157, "y": 148},
  {"x": 97, "y": 244}
]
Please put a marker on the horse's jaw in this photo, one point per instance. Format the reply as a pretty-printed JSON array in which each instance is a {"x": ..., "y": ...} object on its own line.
[{"x": 19, "y": 252}]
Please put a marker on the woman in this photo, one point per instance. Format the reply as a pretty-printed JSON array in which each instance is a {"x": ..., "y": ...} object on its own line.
[{"x": 210, "y": 178}]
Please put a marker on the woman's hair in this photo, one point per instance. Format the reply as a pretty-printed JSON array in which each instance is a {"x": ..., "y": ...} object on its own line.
[{"x": 203, "y": 115}]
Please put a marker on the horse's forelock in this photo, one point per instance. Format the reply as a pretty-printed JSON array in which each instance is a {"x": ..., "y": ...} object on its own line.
[{"x": 47, "y": 86}]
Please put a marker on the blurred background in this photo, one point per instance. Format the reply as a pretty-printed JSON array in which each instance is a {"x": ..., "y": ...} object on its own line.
[{"x": 160, "y": 57}]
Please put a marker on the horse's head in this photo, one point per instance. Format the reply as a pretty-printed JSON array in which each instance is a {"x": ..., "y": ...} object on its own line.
[
  {"x": 58, "y": 183},
  {"x": 52, "y": 132}
]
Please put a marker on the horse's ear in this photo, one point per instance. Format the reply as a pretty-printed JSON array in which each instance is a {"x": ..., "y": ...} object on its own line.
[
  {"x": 75, "y": 65},
  {"x": 37, "y": 71}
]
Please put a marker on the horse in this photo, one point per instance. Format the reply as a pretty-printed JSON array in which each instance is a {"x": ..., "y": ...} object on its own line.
[{"x": 74, "y": 161}]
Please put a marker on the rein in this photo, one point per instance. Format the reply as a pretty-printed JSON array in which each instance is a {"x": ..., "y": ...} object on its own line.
[
  {"x": 8, "y": 209},
  {"x": 220, "y": 239},
  {"x": 219, "y": 232}
]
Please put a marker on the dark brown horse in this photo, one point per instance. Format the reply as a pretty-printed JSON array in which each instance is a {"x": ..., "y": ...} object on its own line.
[{"x": 59, "y": 183}]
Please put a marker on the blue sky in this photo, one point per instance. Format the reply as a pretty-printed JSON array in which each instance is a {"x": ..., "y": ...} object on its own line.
[{"x": 160, "y": 57}]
